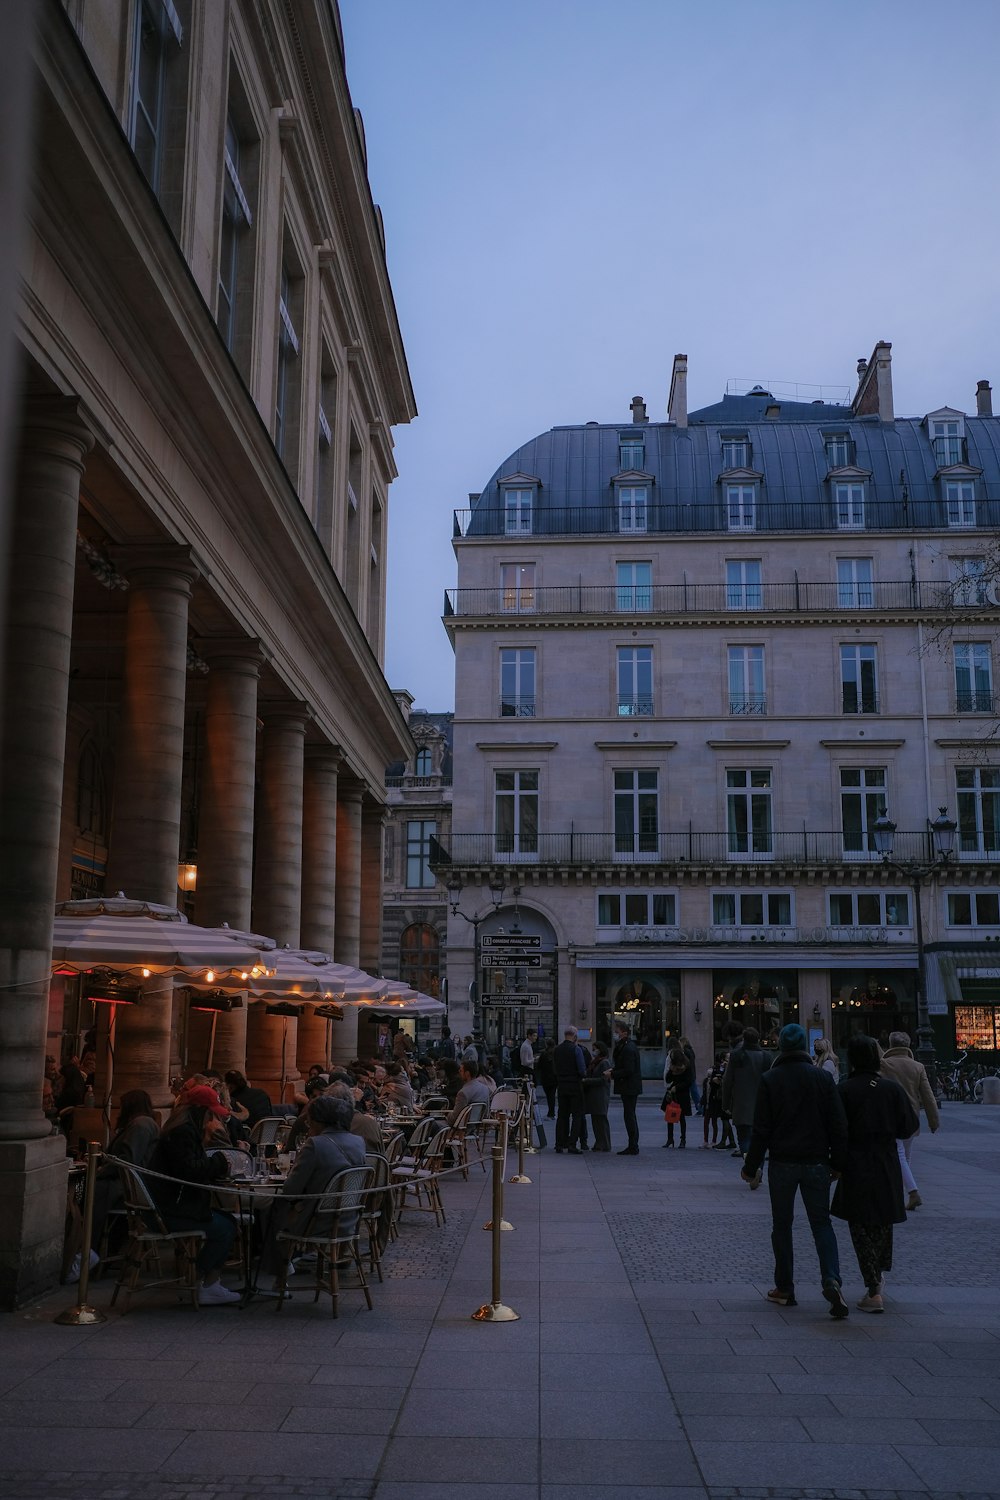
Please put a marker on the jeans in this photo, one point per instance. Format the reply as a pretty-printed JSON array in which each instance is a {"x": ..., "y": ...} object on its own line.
[
  {"x": 812, "y": 1180},
  {"x": 220, "y": 1232}
]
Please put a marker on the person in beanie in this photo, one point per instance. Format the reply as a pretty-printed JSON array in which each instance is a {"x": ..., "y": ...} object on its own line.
[{"x": 800, "y": 1126}]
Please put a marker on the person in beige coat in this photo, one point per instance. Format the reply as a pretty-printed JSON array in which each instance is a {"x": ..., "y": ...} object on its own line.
[{"x": 899, "y": 1063}]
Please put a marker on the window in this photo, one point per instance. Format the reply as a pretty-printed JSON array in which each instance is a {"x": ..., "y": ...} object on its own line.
[
  {"x": 858, "y": 679},
  {"x": 91, "y": 802},
  {"x": 849, "y": 501},
  {"x": 517, "y": 683},
  {"x": 973, "y": 909},
  {"x": 636, "y": 813},
  {"x": 419, "y": 832},
  {"x": 973, "y": 678},
  {"x": 420, "y": 958},
  {"x": 855, "y": 586},
  {"x": 236, "y": 221},
  {"x": 978, "y": 789},
  {"x": 287, "y": 383},
  {"x": 735, "y": 453},
  {"x": 970, "y": 585},
  {"x": 752, "y": 909},
  {"x": 632, "y": 508},
  {"x": 516, "y": 812},
  {"x": 517, "y": 588},
  {"x": 869, "y": 909},
  {"x": 741, "y": 507},
  {"x": 862, "y": 801},
  {"x": 743, "y": 584},
  {"x": 960, "y": 502},
  {"x": 748, "y": 811},
  {"x": 746, "y": 680},
  {"x": 949, "y": 443},
  {"x": 158, "y": 32},
  {"x": 517, "y": 512},
  {"x": 631, "y": 450},
  {"x": 839, "y": 450},
  {"x": 635, "y": 681},
  {"x": 636, "y": 909},
  {"x": 423, "y": 762},
  {"x": 634, "y": 583}
]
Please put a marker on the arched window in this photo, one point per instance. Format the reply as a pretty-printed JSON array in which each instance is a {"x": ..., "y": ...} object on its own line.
[
  {"x": 423, "y": 762},
  {"x": 90, "y": 799},
  {"x": 420, "y": 958}
]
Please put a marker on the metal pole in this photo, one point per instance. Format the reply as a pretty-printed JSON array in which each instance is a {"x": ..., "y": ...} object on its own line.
[
  {"x": 499, "y": 1131},
  {"x": 495, "y": 1311},
  {"x": 519, "y": 1175},
  {"x": 925, "y": 1034},
  {"x": 82, "y": 1315}
]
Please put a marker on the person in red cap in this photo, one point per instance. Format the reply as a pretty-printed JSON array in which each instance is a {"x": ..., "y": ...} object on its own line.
[{"x": 186, "y": 1203}]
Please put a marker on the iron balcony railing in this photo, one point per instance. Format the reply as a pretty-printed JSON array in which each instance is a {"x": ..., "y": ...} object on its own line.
[
  {"x": 517, "y": 706},
  {"x": 798, "y": 597},
  {"x": 974, "y": 703},
  {"x": 928, "y": 511},
  {"x": 687, "y": 847}
]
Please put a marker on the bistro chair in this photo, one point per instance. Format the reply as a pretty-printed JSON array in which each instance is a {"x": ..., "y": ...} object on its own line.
[
  {"x": 147, "y": 1236},
  {"x": 333, "y": 1234},
  {"x": 420, "y": 1177},
  {"x": 379, "y": 1210},
  {"x": 268, "y": 1132}
]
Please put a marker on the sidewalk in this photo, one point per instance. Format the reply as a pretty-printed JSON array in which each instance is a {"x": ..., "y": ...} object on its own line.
[{"x": 645, "y": 1363}]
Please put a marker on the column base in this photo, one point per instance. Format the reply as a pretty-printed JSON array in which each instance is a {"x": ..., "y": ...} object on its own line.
[{"x": 33, "y": 1214}]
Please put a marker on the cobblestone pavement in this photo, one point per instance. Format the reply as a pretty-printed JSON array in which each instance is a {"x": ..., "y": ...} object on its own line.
[{"x": 644, "y": 1363}]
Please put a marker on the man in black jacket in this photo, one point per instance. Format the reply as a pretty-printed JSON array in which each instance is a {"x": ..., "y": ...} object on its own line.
[
  {"x": 627, "y": 1075},
  {"x": 570, "y": 1068},
  {"x": 800, "y": 1125}
]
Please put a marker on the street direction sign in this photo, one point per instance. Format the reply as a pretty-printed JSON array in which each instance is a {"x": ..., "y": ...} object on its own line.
[
  {"x": 512, "y": 960},
  {"x": 511, "y": 940},
  {"x": 513, "y": 997}
]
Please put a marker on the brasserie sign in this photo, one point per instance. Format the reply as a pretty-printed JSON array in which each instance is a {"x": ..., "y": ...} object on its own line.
[{"x": 765, "y": 935}]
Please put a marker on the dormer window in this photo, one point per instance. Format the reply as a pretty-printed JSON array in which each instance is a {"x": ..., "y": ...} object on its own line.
[
  {"x": 960, "y": 502},
  {"x": 518, "y": 491},
  {"x": 849, "y": 503},
  {"x": 948, "y": 438},
  {"x": 839, "y": 450},
  {"x": 423, "y": 762},
  {"x": 632, "y": 508},
  {"x": 736, "y": 451},
  {"x": 631, "y": 450},
  {"x": 741, "y": 507}
]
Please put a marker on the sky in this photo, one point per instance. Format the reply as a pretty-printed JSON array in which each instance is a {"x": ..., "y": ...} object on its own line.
[{"x": 575, "y": 190}]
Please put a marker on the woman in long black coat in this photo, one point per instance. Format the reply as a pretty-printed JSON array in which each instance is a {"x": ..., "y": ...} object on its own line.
[{"x": 869, "y": 1195}]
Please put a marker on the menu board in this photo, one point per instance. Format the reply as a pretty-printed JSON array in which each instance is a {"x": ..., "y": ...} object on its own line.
[{"x": 975, "y": 1028}]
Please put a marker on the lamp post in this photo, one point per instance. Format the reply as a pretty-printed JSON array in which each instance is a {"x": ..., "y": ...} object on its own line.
[
  {"x": 916, "y": 871},
  {"x": 497, "y": 886}
]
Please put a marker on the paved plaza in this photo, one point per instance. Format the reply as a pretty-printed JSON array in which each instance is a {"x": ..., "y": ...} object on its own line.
[{"x": 645, "y": 1363}]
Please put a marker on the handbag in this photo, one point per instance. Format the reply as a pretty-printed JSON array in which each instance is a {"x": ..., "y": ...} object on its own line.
[{"x": 672, "y": 1113}]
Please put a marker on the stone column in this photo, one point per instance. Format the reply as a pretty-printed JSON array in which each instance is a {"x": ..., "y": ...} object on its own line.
[
  {"x": 41, "y": 561},
  {"x": 814, "y": 990},
  {"x": 696, "y": 994},
  {"x": 277, "y": 884},
  {"x": 319, "y": 883},
  {"x": 373, "y": 818},
  {"x": 347, "y": 948},
  {"x": 225, "y": 824}
]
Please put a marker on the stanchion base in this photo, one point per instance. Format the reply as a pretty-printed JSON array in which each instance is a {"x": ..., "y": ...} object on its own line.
[
  {"x": 503, "y": 1224},
  {"x": 80, "y": 1317},
  {"x": 495, "y": 1312},
  {"x": 531, "y": 1150},
  {"x": 519, "y": 1177}
]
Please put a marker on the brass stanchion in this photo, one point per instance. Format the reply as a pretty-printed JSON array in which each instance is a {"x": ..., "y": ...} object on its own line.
[
  {"x": 529, "y": 1104},
  {"x": 81, "y": 1315},
  {"x": 519, "y": 1175},
  {"x": 500, "y": 1124},
  {"x": 495, "y": 1311}
]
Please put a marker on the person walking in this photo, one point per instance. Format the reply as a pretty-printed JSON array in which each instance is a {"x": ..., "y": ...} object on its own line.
[
  {"x": 800, "y": 1126},
  {"x": 627, "y": 1075},
  {"x": 569, "y": 1068},
  {"x": 899, "y": 1064},
  {"x": 678, "y": 1079},
  {"x": 597, "y": 1096},
  {"x": 747, "y": 1065},
  {"x": 870, "y": 1193}
]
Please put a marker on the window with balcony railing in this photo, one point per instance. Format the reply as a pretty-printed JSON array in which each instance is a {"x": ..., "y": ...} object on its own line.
[
  {"x": 978, "y": 793},
  {"x": 750, "y": 830},
  {"x": 746, "y": 680},
  {"x": 634, "y": 586},
  {"x": 635, "y": 681},
  {"x": 839, "y": 451},
  {"x": 741, "y": 507},
  {"x": 515, "y": 814},
  {"x": 517, "y": 512},
  {"x": 855, "y": 586},
  {"x": 636, "y": 813},
  {"x": 849, "y": 505},
  {"x": 858, "y": 679},
  {"x": 973, "y": 677},
  {"x": 632, "y": 508},
  {"x": 743, "y": 583},
  {"x": 960, "y": 503},
  {"x": 862, "y": 803},
  {"x": 948, "y": 438},
  {"x": 517, "y": 682}
]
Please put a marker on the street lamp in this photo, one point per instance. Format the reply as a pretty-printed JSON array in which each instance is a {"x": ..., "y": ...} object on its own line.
[
  {"x": 497, "y": 886},
  {"x": 915, "y": 871}
]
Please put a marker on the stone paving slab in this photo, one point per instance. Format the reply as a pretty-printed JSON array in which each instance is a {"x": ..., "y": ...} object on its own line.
[{"x": 645, "y": 1362}]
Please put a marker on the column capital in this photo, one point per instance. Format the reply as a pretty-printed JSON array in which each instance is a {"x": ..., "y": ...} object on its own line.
[
  {"x": 53, "y": 423},
  {"x": 236, "y": 653},
  {"x": 167, "y": 565},
  {"x": 353, "y": 792},
  {"x": 325, "y": 757},
  {"x": 290, "y": 712}
]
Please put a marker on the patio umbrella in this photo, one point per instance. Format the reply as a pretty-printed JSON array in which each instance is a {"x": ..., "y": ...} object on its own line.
[{"x": 141, "y": 939}]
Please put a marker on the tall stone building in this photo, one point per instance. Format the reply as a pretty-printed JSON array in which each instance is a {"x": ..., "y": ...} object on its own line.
[
  {"x": 696, "y": 662},
  {"x": 211, "y": 368}
]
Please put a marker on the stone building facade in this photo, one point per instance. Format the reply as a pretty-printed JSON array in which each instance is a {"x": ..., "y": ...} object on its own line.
[
  {"x": 696, "y": 661},
  {"x": 211, "y": 369}
]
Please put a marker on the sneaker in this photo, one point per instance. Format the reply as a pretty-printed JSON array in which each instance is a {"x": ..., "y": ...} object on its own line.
[
  {"x": 780, "y": 1298},
  {"x": 75, "y": 1267},
  {"x": 914, "y": 1200},
  {"x": 835, "y": 1297},
  {"x": 736, "y": 1153},
  {"x": 217, "y": 1295},
  {"x": 871, "y": 1303}
]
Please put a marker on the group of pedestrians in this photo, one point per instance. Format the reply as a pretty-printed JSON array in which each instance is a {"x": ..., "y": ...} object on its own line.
[{"x": 583, "y": 1080}]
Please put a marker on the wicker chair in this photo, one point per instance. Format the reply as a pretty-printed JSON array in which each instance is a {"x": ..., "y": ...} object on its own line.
[
  {"x": 419, "y": 1176},
  {"x": 147, "y": 1236},
  {"x": 379, "y": 1210},
  {"x": 336, "y": 1225}
]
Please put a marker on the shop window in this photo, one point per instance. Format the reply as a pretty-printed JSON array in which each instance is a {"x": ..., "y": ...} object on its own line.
[
  {"x": 752, "y": 909},
  {"x": 973, "y": 909},
  {"x": 636, "y": 909},
  {"x": 976, "y": 1028},
  {"x": 869, "y": 908}
]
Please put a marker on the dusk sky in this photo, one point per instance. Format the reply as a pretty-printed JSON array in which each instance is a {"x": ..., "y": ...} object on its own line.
[{"x": 575, "y": 190}]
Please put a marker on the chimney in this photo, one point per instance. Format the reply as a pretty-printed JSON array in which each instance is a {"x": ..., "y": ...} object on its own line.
[
  {"x": 984, "y": 399},
  {"x": 677, "y": 401},
  {"x": 404, "y": 702},
  {"x": 873, "y": 397},
  {"x": 639, "y": 409}
]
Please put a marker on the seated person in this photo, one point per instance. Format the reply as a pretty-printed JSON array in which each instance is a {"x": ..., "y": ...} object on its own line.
[
  {"x": 300, "y": 1125},
  {"x": 397, "y": 1088},
  {"x": 450, "y": 1078},
  {"x": 254, "y": 1101},
  {"x": 134, "y": 1140},
  {"x": 474, "y": 1090},
  {"x": 181, "y": 1153},
  {"x": 362, "y": 1123},
  {"x": 329, "y": 1148}
]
